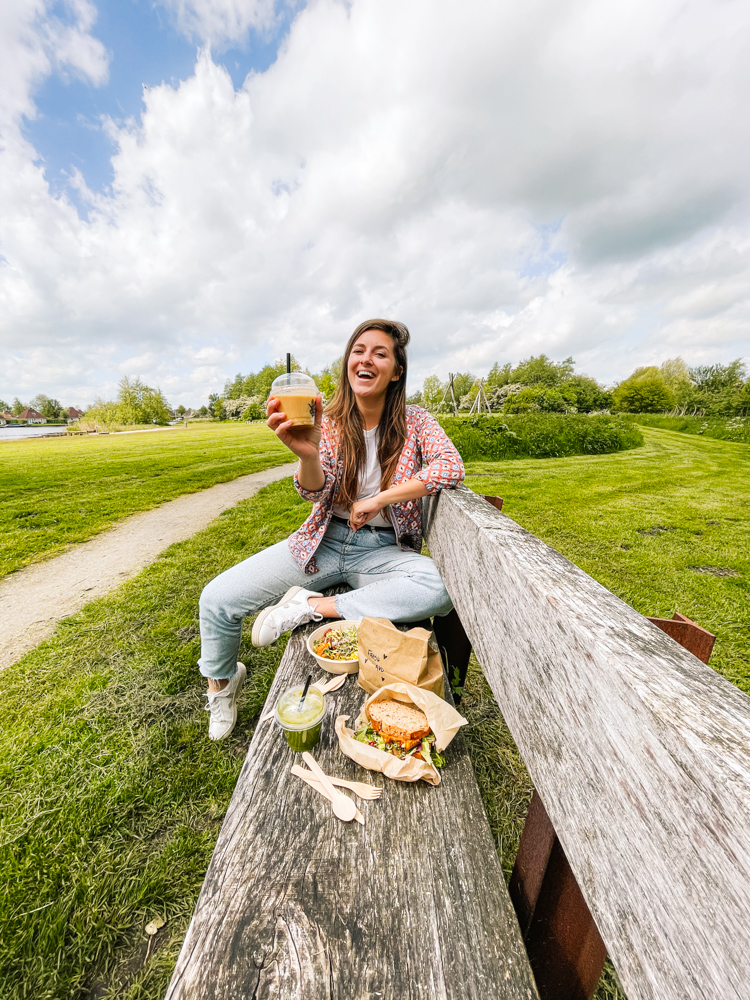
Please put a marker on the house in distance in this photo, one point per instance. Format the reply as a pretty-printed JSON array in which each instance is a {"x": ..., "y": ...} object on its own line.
[{"x": 32, "y": 416}]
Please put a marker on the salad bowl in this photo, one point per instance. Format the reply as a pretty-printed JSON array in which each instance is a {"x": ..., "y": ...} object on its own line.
[{"x": 347, "y": 642}]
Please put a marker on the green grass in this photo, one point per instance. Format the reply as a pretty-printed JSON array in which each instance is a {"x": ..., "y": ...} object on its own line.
[
  {"x": 539, "y": 435},
  {"x": 666, "y": 528},
  {"x": 721, "y": 428},
  {"x": 57, "y": 491},
  {"x": 111, "y": 796}
]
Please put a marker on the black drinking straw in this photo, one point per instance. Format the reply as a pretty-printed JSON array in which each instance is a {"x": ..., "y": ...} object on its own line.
[
  {"x": 289, "y": 364},
  {"x": 307, "y": 684}
]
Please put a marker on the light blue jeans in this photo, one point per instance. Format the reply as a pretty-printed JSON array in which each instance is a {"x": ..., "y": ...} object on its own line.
[{"x": 389, "y": 583}]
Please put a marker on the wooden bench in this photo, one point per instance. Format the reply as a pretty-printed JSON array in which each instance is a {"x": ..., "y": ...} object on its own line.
[
  {"x": 637, "y": 842},
  {"x": 638, "y": 838},
  {"x": 296, "y": 904}
]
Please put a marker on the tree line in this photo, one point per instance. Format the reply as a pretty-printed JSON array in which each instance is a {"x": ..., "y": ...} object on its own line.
[
  {"x": 50, "y": 408},
  {"x": 537, "y": 384},
  {"x": 705, "y": 390}
]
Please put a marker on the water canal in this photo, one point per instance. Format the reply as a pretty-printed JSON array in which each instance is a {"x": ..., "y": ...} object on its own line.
[{"x": 12, "y": 432}]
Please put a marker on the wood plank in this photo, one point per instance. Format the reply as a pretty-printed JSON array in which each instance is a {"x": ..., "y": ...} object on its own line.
[
  {"x": 297, "y": 904},
  {"x": 640, "y": 752}
]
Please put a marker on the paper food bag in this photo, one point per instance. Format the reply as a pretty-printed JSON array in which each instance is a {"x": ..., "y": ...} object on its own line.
[
  {"x": 444, "y": 721},
  {"x": 387, "y": 655}
]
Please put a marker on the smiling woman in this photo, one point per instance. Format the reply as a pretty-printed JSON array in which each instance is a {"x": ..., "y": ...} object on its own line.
[
  {"x": 374, "y": 361},
  {"x": 361, "y": 466}
]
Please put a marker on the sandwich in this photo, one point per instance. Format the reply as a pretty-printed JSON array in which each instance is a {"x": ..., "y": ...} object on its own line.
[{"x": 402, "y": 730}]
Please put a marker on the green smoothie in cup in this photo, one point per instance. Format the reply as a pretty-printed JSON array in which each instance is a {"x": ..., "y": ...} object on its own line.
[{"x": 301, "y": 726}]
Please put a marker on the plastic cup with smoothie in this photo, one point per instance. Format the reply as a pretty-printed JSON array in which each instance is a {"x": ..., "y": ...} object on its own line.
[
  {"x": 301, "y": 726},
  {"x": 296, "y": 392}
]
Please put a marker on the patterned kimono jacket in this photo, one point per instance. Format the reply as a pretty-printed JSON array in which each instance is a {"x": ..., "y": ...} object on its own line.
[{"x": 428, "y": 454}]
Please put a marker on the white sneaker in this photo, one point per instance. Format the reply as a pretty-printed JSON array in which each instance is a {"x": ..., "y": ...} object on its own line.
[
  {"x": 291, "y": 611},
  {"x": 223, "y": 706}
]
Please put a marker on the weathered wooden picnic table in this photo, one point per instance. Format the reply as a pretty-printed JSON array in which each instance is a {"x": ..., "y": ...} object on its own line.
[{"x": 296, "y": 904}]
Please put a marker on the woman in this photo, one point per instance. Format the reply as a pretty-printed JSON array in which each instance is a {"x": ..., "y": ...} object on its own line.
[{"x": 361, "y": 467}]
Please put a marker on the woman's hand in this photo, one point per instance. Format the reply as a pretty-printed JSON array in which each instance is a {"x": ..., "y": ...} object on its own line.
[
  {"x": 302, "y": 441},
  {"x": 365, "y": 510}
]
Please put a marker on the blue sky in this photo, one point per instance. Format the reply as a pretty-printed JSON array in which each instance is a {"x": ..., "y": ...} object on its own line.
[
  {"x": 145, "y": 48},
  {"x": 191, "y": 188}
]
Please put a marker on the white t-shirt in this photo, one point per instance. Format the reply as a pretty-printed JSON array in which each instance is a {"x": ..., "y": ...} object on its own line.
[{"x": 369, "y": 481}]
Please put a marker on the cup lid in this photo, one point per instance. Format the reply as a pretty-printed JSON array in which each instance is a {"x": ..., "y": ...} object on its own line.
[
  {"x": 290, "y": 697},
  {"x": 291, "y": 382}
]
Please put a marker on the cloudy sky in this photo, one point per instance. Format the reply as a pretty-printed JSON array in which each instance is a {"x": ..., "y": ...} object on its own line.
[{"x": 190, "y": 188}]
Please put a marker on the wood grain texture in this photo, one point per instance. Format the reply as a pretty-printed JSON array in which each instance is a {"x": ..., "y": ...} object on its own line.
[
  {"x": 640, "y": 752},
  {"x": 297, "y": 904}
]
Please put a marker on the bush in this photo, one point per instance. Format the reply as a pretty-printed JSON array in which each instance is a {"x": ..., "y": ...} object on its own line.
[
  {"x": 498, "y": 395},
  {"x": 238, "y": 407},
  {"x": 577, "y": 394},
  {"x": 253, "y": 412},
  {"x": 720, "y": 390},
  {"x": 541, "y": 399},
  {"x": 643, "y": 393},
  {"x": 539, "y": 435}
]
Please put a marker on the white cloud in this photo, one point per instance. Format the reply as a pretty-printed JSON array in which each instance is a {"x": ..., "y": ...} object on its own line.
[
  {"x": 72, "y": 48},
  {"x": 221, "y": 22},
  {"x": 33, "y": 42},
  {"x": 507, "y": 179}
]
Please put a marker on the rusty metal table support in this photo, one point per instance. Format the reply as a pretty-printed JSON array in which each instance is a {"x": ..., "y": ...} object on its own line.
[
  {"x": 495, "y": 501},
  {"x": 698, "y": 640},
  {"x": 565, "y": 949}
]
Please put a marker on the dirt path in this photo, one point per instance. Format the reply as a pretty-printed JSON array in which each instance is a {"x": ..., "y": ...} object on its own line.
[{"x": 36, "y": 598}]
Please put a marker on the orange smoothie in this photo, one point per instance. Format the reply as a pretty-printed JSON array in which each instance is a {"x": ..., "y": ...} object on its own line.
[{"x": 298, "y": 408}]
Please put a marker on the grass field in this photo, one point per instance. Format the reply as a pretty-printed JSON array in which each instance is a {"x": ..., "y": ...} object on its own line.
[
  {"x": 666, "y": 528},
  {"x": 57, "y": 491},
  {"x": 721, "y": 428},
  {"x": 111, "y": 797}
]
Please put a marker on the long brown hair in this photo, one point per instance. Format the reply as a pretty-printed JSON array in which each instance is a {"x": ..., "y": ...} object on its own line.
[{"x": 344, "y": 411}]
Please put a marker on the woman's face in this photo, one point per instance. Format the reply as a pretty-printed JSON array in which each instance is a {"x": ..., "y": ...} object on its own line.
[{"x": 372, "y": 365}]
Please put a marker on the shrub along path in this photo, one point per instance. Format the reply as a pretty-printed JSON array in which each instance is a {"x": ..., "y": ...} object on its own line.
[
  {"x": 504, "y": 436},
  {"x": 61, "y": 586},
  {"x": 722, "y": 428}
]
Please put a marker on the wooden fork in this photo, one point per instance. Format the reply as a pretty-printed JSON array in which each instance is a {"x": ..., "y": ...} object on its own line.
[
  {"x": 358, "y": 787},
  {"x": 313, "y": 782}
]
